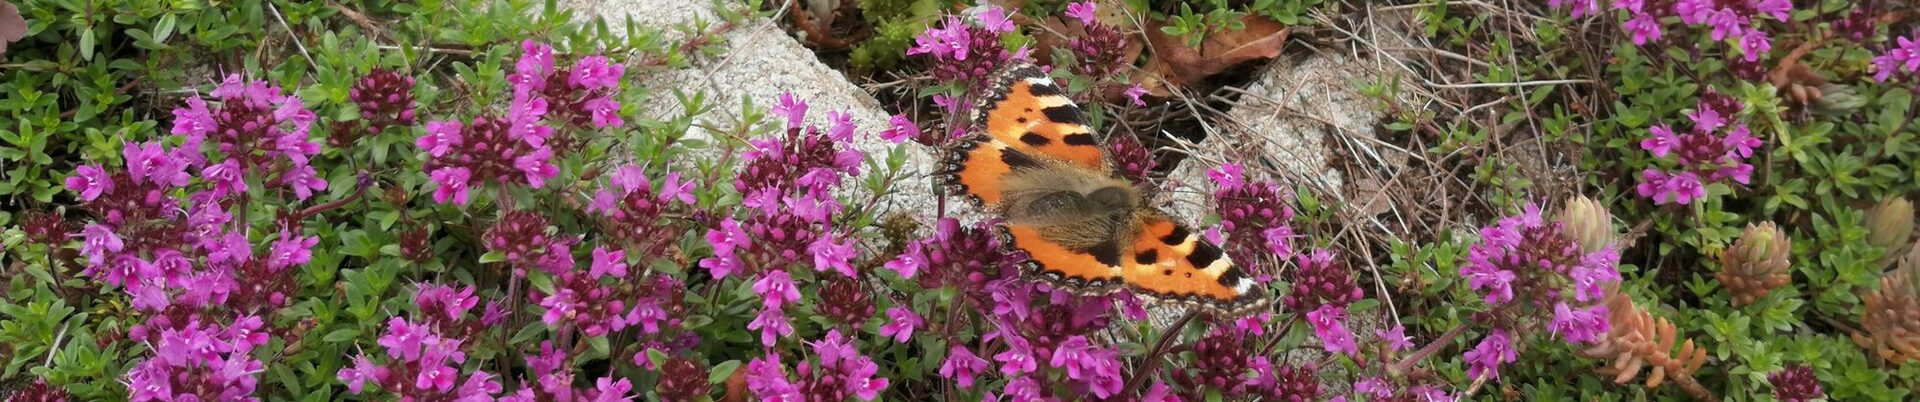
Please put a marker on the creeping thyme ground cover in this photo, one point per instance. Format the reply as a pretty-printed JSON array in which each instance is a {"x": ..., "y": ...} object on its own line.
[{"x": 466, "y": 200}]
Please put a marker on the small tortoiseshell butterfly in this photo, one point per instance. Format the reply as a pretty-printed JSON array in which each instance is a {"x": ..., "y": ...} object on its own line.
[{"x": 1033, "y": 160}]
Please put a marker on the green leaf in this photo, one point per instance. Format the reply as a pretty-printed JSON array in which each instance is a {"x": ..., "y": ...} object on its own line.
[
  {"x": 493, "y": 257},
  {"x": 658, "y": 358},
  {"x": 86, "y": 44},
  {"x": 341, "y": 335},
  {"x": 721, "y": 371},
  {"x": 527, "y": 334},
  {"x": 164, "y": 29}
]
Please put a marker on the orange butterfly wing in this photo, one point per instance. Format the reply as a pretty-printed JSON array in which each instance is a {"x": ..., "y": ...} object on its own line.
[
  {"x": 1172, "y": 263},
  {"x": 1088, "y": 271},
  {"x": 1024, "y": 116}
]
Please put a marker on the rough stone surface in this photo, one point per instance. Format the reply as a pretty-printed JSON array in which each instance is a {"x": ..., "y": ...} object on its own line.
[{"x": 759, "y": 63}]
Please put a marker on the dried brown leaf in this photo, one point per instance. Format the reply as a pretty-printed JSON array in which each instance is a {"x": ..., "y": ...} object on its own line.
[{"x": 1174, "y": 64}]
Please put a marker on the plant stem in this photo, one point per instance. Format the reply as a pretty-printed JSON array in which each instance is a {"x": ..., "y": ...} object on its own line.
[
  {"x": 1429, "y": 350},
  {"x": 1153, "y": 357}
]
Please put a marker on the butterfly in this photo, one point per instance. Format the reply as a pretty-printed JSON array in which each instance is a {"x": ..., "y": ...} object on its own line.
[{"x": 1032, "y": 160}]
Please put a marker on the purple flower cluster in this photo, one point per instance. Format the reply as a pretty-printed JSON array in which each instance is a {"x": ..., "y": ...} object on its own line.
[
  {"x": 1715, "y": 149},
  {"x": 200, "y": 361},
  {"x": 174, "y": 246},
  {"x": 1737, "y": 20},
  {"x": 788, "y": 184},
  {"x": 966, "y": 52},
  {"x": 630, "y": 210},
  {"x": 555, "y": 380},
  {"x": 1130, "y": 158},
  {"x": 385, "y": 98},
  {"x": 1525, "y": 266},
  {"x": 604, "y": 299},
  {"x": 526, "y": 240},
  {"x": 965, "y": 258},
  {"x": 1254, "y": 218},
  {"x": 579, "y": 96},
  {"x": 1321, "y": 280},
  {"x": 1101, "y": 51},
  {"x": 255, "y": 127},
  {"x": 1796, "y": 383},
  {"x": 423, "y": 366},
  {"x": 1901, "y": 61},
  {"x": 837, "y": 372},
  {"x": 522, "y": 146}
]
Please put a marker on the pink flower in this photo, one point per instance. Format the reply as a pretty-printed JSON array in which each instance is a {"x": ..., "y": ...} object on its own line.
[
  {"x": 1904, "y": 58},
  {"x": 962, "y": 365},
  {"x": 902, "y": 130},
  {"x": 89, "y": 181},
  {"x": 947, "y": 42},
  {"x": 1644, "y": 27},
  {"x": 1777, "y": 8},
  {"x": 98, "y": 241},
  {"x": 837, "y": 256},
  {"x": 1160, "y": 393},
  {"x": 441, "y": 137},
  {"x": 1084, "y": 11},
  {"x": 453, "y": 185},
  {"x": 304, "y": 180},
  {"x": 536, "y": 63},
  {"x": 1583, "y": 325},
  {"x": 676, "y": 189},
  {"x": 793, "y": 109},
  {"x": 537, "y": 166},
  {"x": 1489, "y": 279},
  {"x": 910, "y": 261},
  {"x": 291, "y": 250},
  {"x": 840, "y": 126},
  {"x": 1373, "y": 386},
  {"x": 1754, "y": 44},
  {"x": 1485, "y": 359},
  {"x": 363, "y": 369},
  {"x": 1662, "y": 141},
  {"x": 776, "y": 289},
  {"x": 605, "y": 111},
  {"x": 1579, "y": 7},
  {"x": 608, "y": 263},
  {"x": 994, "y": 19},
  {"x": 403, "y": 339},
  {"x": 594, "y": 72},
  {"x": 773, "y": 325},
  {"x": 1134, "y": 92},
  {"x": 153, "y": 163},
  {"x": 1018, "y": 358},
  {"x": 768, "y": 380},
  {"x": 900, "y": 324},
  {"x": 194, "y": 120},
  {"x": 1329, "y": 325},
  {"x": 1396, "y": 338},
  {"x": 1227, "y": 176},
  {"x": 227, "y": 178},
  {"x": 1680, "y": 188},
  {"x": 1740, "y": 142},
  {"x": 1726, "y": 23}
]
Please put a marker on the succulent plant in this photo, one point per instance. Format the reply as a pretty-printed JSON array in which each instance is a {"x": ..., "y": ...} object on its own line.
[
  {"x": 1756, "y": 264},
  {"x": 1891, "y": 323},
  {"x": 1637, "y": 339},
  {"x": 1588, "y": 222},
  {"x": 1889, "y": 227}
]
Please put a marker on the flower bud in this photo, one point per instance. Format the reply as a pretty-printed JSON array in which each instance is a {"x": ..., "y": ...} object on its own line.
[
  {"x": 1889, "y": 227},
  {"x": 1588, "y": 223},
  {"x": 1756, "y": 264}
]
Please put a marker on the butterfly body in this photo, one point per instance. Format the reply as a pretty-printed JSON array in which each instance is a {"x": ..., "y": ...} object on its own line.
[{"x": 1036, "y": 164}]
